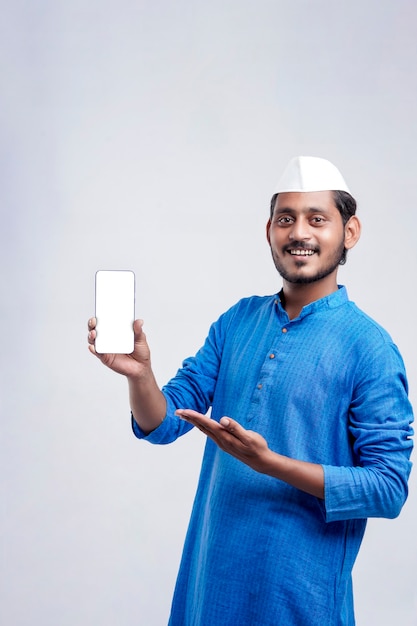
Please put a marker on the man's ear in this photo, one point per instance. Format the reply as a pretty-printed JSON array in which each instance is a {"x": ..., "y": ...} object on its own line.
[
  {"x": 352, "y": 232},
  {"x": 268, "y": 226}
]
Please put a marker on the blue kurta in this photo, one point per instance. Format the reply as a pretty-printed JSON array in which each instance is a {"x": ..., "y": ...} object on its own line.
[{"x": 328, "y": 387}]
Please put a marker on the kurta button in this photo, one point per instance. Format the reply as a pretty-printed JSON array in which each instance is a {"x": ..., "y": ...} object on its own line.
[
  {"x": 272, "y": 356},
  {"x": 284, "y": 330},
  {"x": 259, "y": 386}
]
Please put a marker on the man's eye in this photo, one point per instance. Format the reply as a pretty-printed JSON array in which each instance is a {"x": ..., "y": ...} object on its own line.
[
  {"x": 318, "y": 220},
  {"x": 284, "y": 220}
]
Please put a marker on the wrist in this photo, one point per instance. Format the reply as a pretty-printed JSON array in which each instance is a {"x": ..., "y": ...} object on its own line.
[{"x": 143, "y": 375}]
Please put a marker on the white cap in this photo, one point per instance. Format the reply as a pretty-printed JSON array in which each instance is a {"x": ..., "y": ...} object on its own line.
[{"x": 305, "y": 173}]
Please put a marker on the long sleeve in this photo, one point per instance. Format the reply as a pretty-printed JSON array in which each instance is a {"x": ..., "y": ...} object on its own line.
[{"x": 380, "y": 425}]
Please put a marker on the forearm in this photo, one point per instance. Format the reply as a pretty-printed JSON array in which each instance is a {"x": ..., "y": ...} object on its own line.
[
  {"x": 147, "y": 402},
  {"x": 308, "y": 477}
]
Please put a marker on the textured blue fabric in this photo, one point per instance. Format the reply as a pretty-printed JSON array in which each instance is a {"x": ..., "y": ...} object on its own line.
[{"x": 328, "y": 387}]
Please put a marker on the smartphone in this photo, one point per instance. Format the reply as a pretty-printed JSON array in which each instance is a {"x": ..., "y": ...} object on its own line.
[{"x": 115, "y": 311}]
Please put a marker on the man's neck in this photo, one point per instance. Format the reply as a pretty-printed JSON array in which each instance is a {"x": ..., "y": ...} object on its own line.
[{"x": 297, "y": 296}]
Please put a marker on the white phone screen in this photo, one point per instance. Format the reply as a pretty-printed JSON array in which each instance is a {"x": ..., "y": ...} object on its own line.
[{"x": 115, "y": 311}]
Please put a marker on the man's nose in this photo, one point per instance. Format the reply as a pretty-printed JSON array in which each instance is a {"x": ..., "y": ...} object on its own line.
[{"x": 300, "y": 230}]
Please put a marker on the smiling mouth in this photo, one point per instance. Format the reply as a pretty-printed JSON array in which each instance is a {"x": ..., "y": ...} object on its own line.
[{"x": 301, "y": 252}]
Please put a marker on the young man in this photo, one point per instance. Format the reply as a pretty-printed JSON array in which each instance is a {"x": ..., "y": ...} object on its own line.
[{"x": 309, "y": 432}]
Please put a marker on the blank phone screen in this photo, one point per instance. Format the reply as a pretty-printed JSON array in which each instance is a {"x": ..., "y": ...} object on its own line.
[{"x": 115, "y": 311}]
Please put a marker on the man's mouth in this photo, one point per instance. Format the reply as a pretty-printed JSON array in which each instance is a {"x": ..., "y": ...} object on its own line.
[{"x": 301, "y": 252}]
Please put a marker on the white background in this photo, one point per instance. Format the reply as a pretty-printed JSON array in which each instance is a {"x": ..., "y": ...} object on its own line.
[{"x": 149, "y": 136}]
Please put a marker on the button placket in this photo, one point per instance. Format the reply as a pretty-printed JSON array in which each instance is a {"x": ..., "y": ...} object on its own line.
[{"x": 268, "y": 369}]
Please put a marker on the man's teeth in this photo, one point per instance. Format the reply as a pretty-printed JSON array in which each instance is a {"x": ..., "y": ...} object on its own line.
[{"x": 302, "y": 252}]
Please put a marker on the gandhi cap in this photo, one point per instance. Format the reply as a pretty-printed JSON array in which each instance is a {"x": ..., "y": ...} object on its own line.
[{"x": 305, "y": 173}]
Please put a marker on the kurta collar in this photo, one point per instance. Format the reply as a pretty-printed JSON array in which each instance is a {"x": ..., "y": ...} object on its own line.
[{"x": 331, "y": 301}]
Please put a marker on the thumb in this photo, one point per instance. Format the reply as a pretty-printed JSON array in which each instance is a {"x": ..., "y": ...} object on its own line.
[
  {"x": 227, "y": 422},
  {"x": 137, "y": 328}
]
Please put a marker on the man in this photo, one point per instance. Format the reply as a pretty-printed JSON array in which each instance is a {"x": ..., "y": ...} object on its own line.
[{"x": 309, "y": 432}]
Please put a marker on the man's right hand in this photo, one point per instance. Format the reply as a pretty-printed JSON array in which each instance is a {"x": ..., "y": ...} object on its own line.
[{"x": 133, "y": 365}]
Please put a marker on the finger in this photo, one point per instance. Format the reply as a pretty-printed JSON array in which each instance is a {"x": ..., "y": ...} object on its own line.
[
  {"x": 92, "y": 347},
  {"x": 137, "y": 327},
  {"x": 204, "y": 423},
  {"x": 208, "y": 426},
  {"x": 92, "y": 322},
  {"x": 191, "y": 415},
  {"x": 92, "y": 336},
  {"x": 234, "y": 428},
  {"x": 188, "y": 414}
]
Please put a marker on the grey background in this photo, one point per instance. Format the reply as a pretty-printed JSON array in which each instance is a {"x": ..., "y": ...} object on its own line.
[{"x": 149, "y": 136}]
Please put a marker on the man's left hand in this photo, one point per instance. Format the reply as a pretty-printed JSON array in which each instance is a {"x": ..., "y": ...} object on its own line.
[{"x": 246, "y": 445}]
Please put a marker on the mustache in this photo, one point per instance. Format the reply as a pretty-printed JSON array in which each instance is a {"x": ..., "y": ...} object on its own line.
[{"x": 300, "y": 245}]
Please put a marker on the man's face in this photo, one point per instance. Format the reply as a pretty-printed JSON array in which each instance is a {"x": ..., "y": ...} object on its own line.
[{"x": 306, "y": 235}]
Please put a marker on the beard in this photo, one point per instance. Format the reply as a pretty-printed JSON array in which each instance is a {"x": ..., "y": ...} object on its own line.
[{"x": 298, "y": 279}]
